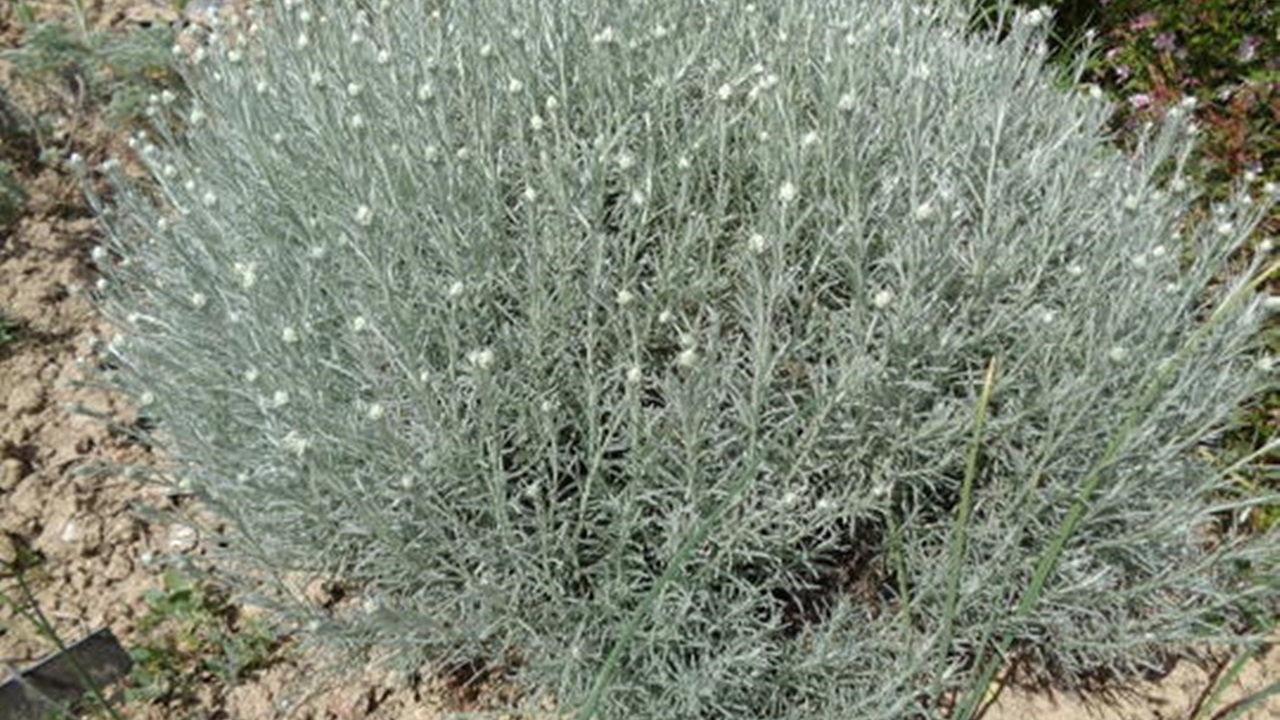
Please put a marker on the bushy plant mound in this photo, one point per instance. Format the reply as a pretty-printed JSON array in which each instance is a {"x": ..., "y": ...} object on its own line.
[{"x": 796, "y": 359}]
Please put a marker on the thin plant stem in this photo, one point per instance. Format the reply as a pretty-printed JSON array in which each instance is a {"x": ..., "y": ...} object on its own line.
[
  {"x": 1225, "y": 680},
  {"x": 33, "y": 614},
  {"x": 959, "y": 540}
]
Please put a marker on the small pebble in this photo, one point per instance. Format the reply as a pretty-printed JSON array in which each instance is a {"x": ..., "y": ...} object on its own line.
[{"x": 182, "y": 538}]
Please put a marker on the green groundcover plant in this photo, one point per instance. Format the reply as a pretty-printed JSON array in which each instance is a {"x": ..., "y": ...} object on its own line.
[{"x": 698, "y": 360}]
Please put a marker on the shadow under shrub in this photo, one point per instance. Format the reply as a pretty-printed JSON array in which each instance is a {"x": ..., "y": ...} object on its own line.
[{"x": 642, "y": 351}]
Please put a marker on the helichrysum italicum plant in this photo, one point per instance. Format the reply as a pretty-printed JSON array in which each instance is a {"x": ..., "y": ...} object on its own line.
[{"x": 693, "y": 361}]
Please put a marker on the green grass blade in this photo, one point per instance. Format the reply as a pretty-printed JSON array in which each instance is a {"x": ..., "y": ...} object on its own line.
[{"x": 960, "y": 539}]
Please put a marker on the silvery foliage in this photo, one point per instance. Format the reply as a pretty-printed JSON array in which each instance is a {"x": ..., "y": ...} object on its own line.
[{"x": 638, "y": 348}]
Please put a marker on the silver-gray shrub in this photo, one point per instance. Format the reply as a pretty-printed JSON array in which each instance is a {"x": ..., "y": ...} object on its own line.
[{"x": 638, "y": 349}]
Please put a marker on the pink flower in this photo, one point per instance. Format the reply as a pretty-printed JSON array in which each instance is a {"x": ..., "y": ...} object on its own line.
[
  {"x": 1145, "y": 21},
  {"x": 1140, "y": 101}
]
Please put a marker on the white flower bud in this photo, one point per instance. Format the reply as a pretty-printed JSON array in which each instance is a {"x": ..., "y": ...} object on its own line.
[
  {"x": 248, "y": 273},
  {"x": 482, "y": 358},
  {"x": 882, "y": 299},
  {"x": 687, "y": 357},
  {"x": 787, "y": 192},
  {"x": 279, "y": 399},
  {"x": 198, "y": 300},
  {"x": 364, "y": 216},
  {"x": 605, "y": 36},
  {"x": 289, "y": 335},
  {"x": 634, "y": 374},
  {"x": 295, "y": 443},
  {"x": 1035, "y": 17},
  {"x": 375, "y": 412}
]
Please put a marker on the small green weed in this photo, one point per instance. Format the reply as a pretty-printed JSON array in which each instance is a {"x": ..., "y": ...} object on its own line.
[
  {"x": 191, "y": 632},
  {"x": 86, "y": 71},
  {"x": 9, "y": 330},
  {"x": 12, "y": 198}
]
